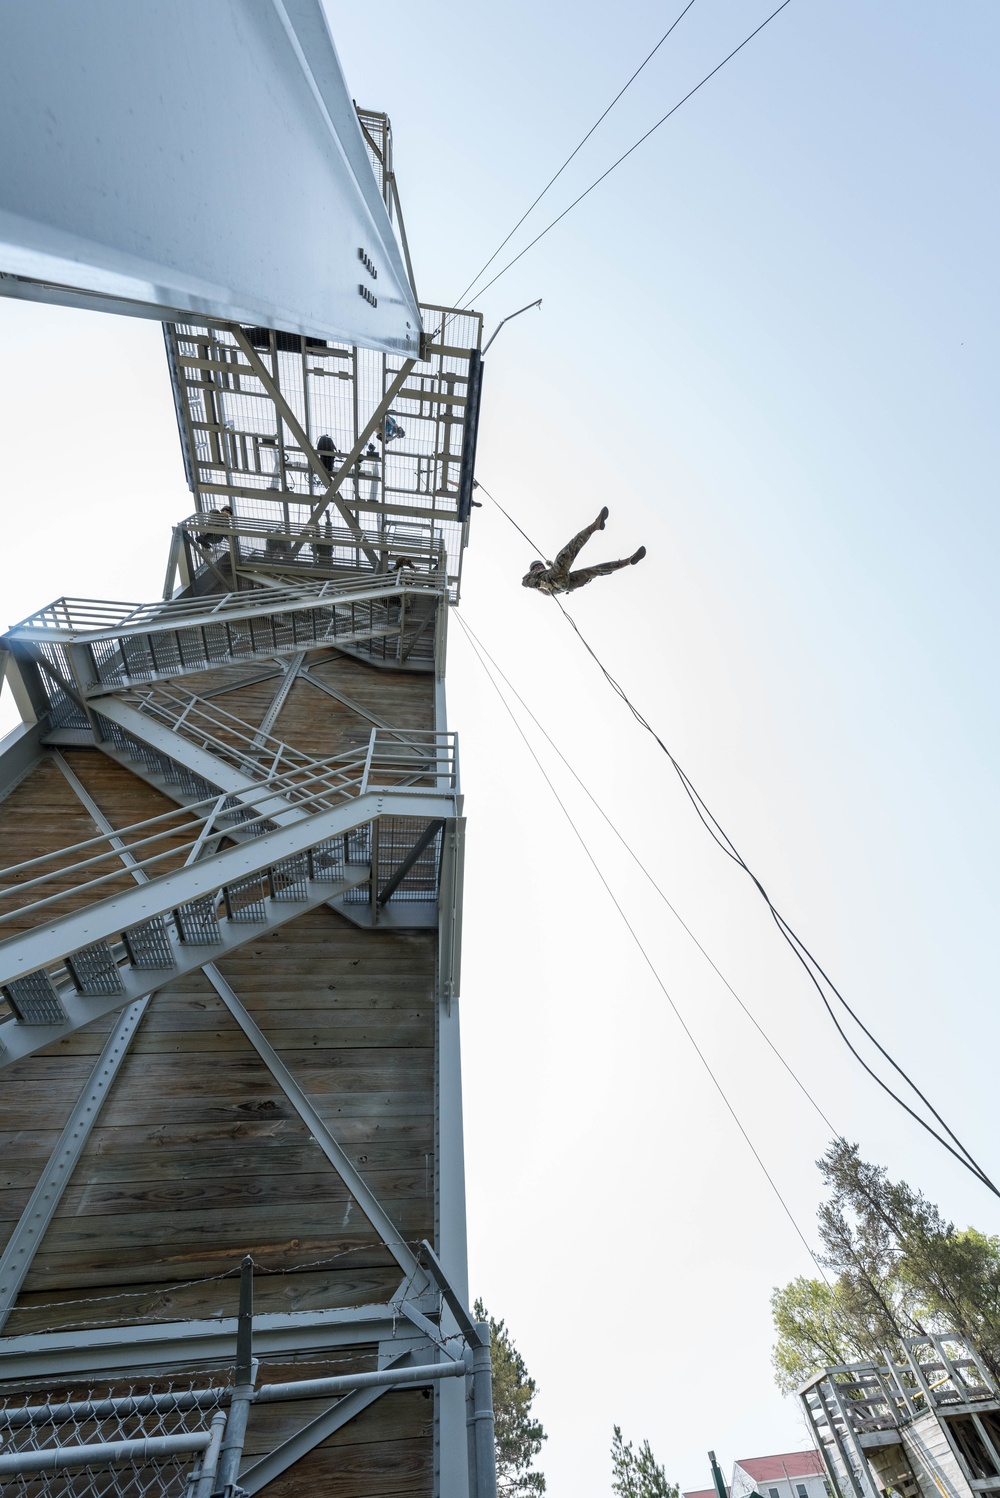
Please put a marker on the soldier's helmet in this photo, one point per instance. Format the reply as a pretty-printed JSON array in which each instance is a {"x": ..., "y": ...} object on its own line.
[{"x": 537, "y": 567}]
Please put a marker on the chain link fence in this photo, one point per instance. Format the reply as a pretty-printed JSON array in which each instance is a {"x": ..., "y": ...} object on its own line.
[{"x": 139, "y": 1440}]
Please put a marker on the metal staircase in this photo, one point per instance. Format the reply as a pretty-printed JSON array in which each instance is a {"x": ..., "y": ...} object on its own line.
[
  {"x": 90, "y": 647},
  {"x": 82, "y": 962}
]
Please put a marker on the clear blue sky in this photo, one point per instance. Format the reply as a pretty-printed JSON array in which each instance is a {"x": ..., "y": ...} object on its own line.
[{"x": 767, "y": 342}]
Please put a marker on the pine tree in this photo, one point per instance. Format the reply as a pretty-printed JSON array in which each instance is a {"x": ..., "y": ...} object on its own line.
[
  {"x": 902, "y": 1270},
  {"x": 637, "y": 1474},
  {"x": 517, "y": 1434}
]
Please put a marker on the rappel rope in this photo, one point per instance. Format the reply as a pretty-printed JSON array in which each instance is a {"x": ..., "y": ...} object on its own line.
[{"x": 818, "y": 977}]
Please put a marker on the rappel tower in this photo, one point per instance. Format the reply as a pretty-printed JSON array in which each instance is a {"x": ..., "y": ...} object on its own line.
[{"x": 230, "y": 916}]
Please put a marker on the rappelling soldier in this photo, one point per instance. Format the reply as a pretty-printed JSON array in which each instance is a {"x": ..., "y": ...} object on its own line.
[{"x": 558, "y": 579}]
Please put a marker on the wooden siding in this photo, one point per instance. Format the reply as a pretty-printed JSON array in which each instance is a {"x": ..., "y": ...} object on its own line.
[
  {"x": 44, "y": 814},
  {"x": 932, "y": 1460},
  {"x": 198, "y": 1158}
]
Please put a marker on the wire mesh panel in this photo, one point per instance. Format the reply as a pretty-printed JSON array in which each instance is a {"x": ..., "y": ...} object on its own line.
[
  {"x": 34, "y": 1000},
  {"x": 63, "y": 1420},
  {"x": 409, "y": 858},
  {"x": 245, "y": 898},
  {"x": 64, "y": 710},
  {"x": 326, "y": 861},
  {"x": 197, "y": 921},
  {"x": 94, "y": 970},
  {"x": 148, "y": 944},
  {"x": 289, "y": 878}
]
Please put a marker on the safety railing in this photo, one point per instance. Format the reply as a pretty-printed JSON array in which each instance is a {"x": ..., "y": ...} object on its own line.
[
  {"x": 397, "y": 755},
  {"x": 93, "y": 617},
  {"x": 64, "y": 876},
  {"x": 240, "y": 447},
  {"x": 285, "y": 538},
  {"x": 229, "y": 738},
  {"x": 936, "y": 1372}
]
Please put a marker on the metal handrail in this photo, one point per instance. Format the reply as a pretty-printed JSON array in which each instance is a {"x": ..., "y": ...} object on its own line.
[
  {"x": 365, "y": 770},
  {"x": 174, "y": 709},
  {"x": 223, "y": 526},
  {"x": 98, "y": 617}
]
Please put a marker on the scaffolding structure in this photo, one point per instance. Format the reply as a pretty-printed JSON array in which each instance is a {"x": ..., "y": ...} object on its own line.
[
  {"x": 230, "y": 925},
  {"x": 923, "y": 1426}
]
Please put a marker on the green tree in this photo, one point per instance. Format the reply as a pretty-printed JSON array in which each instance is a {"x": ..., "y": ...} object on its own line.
[
  {"x": 518, "y": 1435},
  {"x": 637, "y": 1474},
  {"x": 816, "y": 1327},
  {"x": 901, "y": 1270}
]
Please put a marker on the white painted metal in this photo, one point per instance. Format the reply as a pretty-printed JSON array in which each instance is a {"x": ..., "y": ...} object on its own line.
[
  {"x": 20, "y": 751},
  {"x": 102, "y": 1453},
  {"x": 137, "y": 176},
  {"x": 199, "y": 761},
  {"x": 22, "y": 1039},
  {"x": 450, "y": 910},
  {"x": 38, "y": 1213}
]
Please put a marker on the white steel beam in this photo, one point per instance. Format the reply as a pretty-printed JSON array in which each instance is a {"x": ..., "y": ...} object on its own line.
[
  {"x": 41, "y": 1206},
  {"x": 212, "y": 233},
  {"x": 279, "y": 699},
  {"x": 450, "y": 907},
  {"x": 20, "y": 752}
]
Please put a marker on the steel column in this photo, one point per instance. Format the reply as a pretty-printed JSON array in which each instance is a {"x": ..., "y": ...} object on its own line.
[{"x": 246, "y": 1368}]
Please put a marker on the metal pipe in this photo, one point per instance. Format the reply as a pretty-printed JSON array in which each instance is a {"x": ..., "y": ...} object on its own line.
[
  {"x": 508, "y": 318},
  {"x": 205, "y": 1485},
  {"x": 243, "y": 1393},
  {"x": 482, "y": 1414},
  {"x": 344, "y": 1383},
  {"x": 102, "y": 1453},
  {"x": 107, "y": 1409}
]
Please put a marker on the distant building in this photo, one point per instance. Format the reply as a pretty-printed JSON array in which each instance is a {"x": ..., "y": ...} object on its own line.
[
  {"x": 924, "y": 1423},
  {"x": 789, "y": 1474}
]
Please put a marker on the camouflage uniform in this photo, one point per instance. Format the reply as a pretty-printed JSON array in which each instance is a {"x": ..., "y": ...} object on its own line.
[{"x": 559, "y": 579}]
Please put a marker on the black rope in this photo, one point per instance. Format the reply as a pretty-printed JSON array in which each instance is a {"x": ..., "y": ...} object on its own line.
[
  {"x": 818, "y": 977},
  {"x": 635, "y": 147},
  {"x": 810, "y": 964},
  {"x": 576, "y": 149}
]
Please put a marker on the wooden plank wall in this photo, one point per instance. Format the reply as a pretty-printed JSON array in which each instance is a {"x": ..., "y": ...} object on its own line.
[
  {"x": 198, "y": 1158},
  {"x": 932, "y": 1460}
]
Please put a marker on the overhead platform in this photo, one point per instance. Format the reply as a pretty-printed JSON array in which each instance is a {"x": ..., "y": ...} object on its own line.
[
  {"x": 193, "y": 160},
  {"x": 326, "y": 456}
]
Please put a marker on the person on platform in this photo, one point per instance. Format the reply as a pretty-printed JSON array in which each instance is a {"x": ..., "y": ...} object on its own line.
[
  {"x": 212, "y": 536},
  {"x": 559, "y": 579},
  {"x": 328, "y": 452}
]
